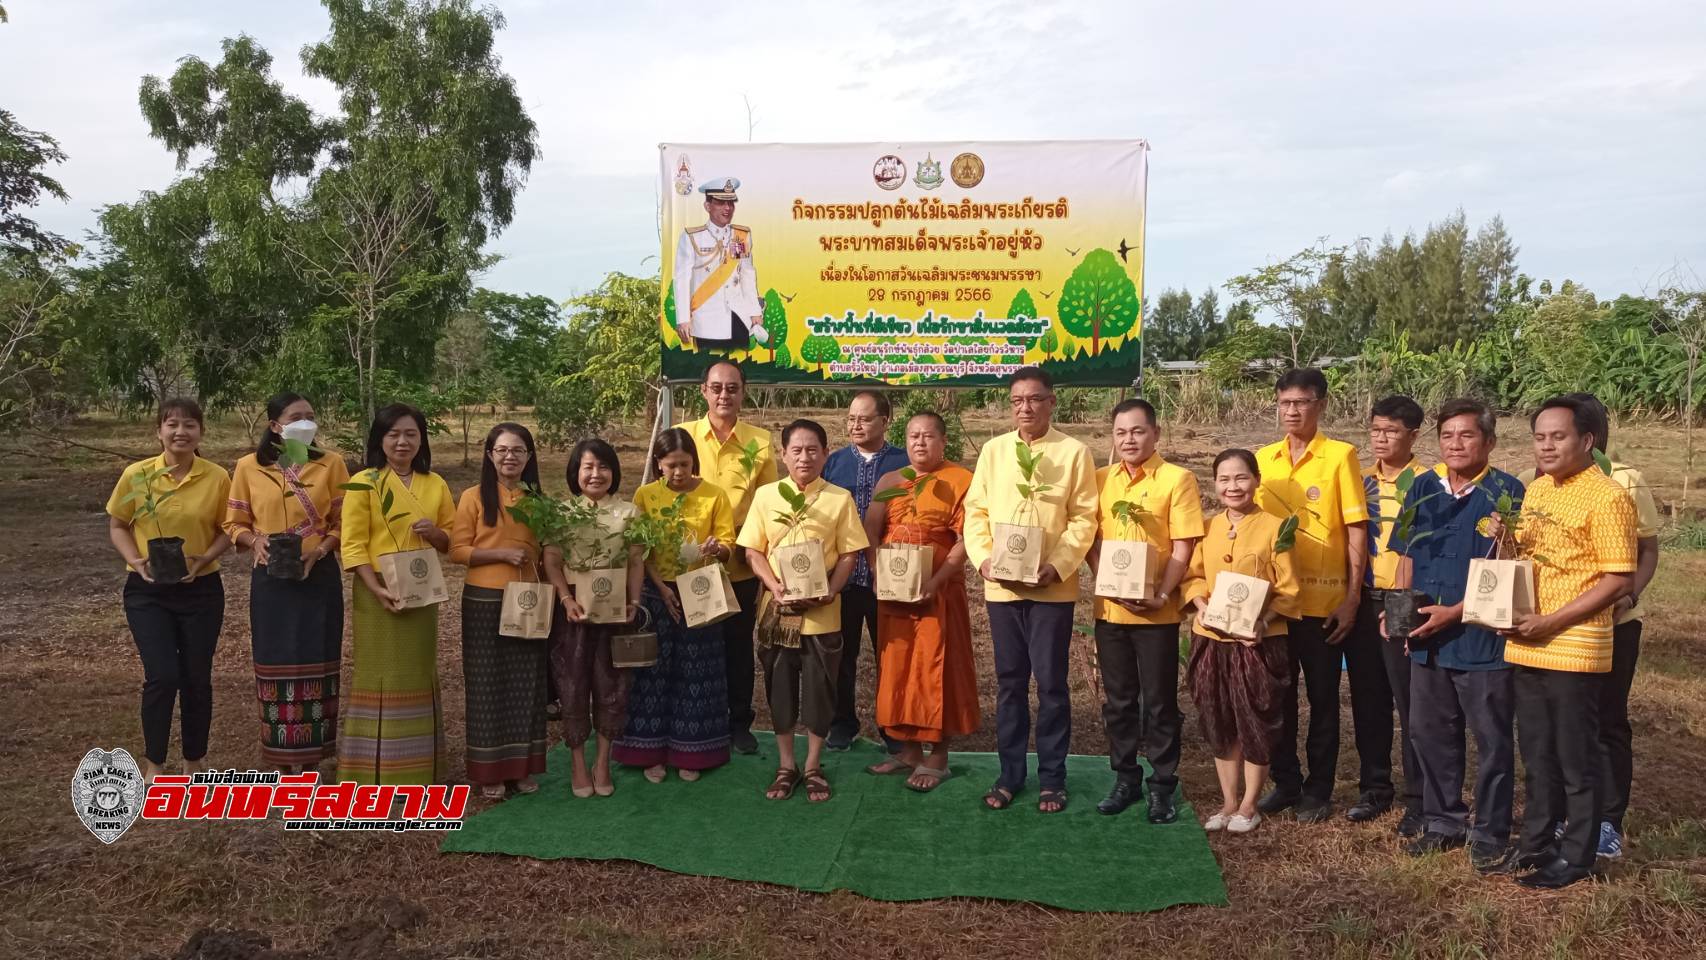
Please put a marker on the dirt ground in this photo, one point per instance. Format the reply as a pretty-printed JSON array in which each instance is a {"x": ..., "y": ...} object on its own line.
[{"x": 69, "y": 677}]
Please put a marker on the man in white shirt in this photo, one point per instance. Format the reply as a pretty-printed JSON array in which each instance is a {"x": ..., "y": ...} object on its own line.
[{"x": 716, "y": 287}]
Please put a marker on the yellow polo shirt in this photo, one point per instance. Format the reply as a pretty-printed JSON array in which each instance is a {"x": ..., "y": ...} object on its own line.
[
  {"x": 1325, "y": 490},
  {"x": 1066, "y": 512},
  {"x": 1383, "y": 502},
  {"x": 194, "y": 513},
  {"x": 1173, "y": 511},
  {"x": 367, "y": 535},
  {"x": 719, "y": 462},
  {"x": 1647, "y": 519},
  {"x": 1576, "y": 530},
  {"x": 832, "y": 519}
]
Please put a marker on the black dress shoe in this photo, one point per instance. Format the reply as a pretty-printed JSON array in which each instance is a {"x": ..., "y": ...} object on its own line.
[
  {"x": 1368, "y": 808},
  {"x": 1311, "y": 810},
  {"x": 1161, "y": 809},
  {"x": 1536, "y": 860},
  {"x": 1410, "y": 825},
  {"x": 1488, "y": 857},
  {"x": 1554, "y": 876},
  {"x": 743, "y": 741},
  {"x": 1123, "y": 795},
  {"x": 1277, "y": 800},
  {"x": 1432, "y": 842}
]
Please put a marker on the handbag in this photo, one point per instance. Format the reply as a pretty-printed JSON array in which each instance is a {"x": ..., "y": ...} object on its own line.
[{"x": 631, "y": 649}]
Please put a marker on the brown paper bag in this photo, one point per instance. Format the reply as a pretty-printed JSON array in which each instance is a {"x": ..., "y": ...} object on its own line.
[
  {"x": 1498, "y": 592},
  {"x": 707, "y": 596},
  {"x": 800, "y": 568},
  {"x": 902, "y": 570},
  {"x": 414, "y": 575},
  {"x": 526, "y": 612},
  {"x": 1236, "y": 604},
  {"x": 602, "y": 593},
  {"x": 1127, "y": 570},
  {"x": 1018, "y": 553}
]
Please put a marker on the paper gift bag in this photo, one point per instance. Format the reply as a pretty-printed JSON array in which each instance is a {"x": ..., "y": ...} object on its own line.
[
  {"x": 1018, "y": 553},
  {"x": 707, "y": 596},
  {"x": 800, "y": 568},
  {"x": 602, "y": 593},
  {"x": 1127, "y": 570},
  {"x": 414, "y": 575},
  {"x": 902, "y": 570},
  {"x": 1498, "y": 592},
  {"x": 1235, "y": 604},
  {"x": 526, "y": 610}
]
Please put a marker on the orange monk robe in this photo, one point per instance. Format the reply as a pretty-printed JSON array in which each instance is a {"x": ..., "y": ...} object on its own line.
[{"x": 927, "y": 679}]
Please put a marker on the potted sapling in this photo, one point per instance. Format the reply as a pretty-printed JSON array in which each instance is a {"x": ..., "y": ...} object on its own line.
[
  {"x": 1127, "y": 567},
  {"x": 1500, "y": 586},
  {"x": 414, "y": 575},
  {"x": 1403, "y": 606},
  {"x": 284, "y": 549},
  {"x": 166, "y": 561},
  {"x": 797, "y": 560},
  {"x": 1018, "y": 553},
  {"x": 903, "y": 565}
]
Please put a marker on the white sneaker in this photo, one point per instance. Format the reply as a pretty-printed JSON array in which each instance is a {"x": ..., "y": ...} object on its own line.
[
  {"x": 1216, "y": 822},
  {"x": 1241, "y": 824}
]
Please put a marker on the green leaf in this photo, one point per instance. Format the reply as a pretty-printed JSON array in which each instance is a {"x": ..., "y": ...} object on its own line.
[
  {"x": 1603, "y": 461},
  {"x": 355, "y": 485},
  {"x": 908, "y": 473},
  {"x": 1287, "y": 536},
  {"x": 892, "y": 493},
  {"x": 385, "y": 501}
]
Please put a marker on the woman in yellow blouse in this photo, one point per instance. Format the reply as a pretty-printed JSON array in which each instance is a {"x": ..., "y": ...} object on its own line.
[
  {"x": 503, "y": 678},
  {"x": 1238, "y": 684},
  {"x": 393, "y": 731},
  {"x": 176, "y": 496},
  {"x": 678, "y": 710},
  {"x": 297, "y": 625}
]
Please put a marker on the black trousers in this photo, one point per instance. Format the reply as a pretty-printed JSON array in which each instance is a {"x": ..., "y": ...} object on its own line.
[
  {"x": 1443, "y": 702},
  {"x": 1378, "y": 673},
  {"x": 858, "y": 619},
  {"x": 1318, "y": 662},
  {"x": 1031, "y": 638},
  {"x": 1557, "y": 725},
  {"x": 176, "y": 628},
  {"x": 1616, "y": 739},
  {"x": 1140, "y": 683},
  {"x": 737, "y": 655}
]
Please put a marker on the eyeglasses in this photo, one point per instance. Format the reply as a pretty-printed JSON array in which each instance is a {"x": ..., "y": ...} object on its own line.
[
  {"x": 1387, "y": 432},
  {"x": 1036, "y": 400},
  {"x": 857, "y": 421},
  {"x": 724, "y": 387},
  {"x": 1299, "y": 404},
  {"x": 501, "y": 452}
]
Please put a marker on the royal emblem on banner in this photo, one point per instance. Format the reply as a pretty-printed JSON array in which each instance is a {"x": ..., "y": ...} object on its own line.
[
  {"x": 929, "y": 175},
  {"x": 889, "y": 171},
  {"x": 967, "y": 170}
]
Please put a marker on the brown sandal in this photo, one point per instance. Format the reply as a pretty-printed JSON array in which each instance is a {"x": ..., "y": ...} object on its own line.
[
  {"x": 817, "y": 786},
  {"x": 783, "y": 786}
]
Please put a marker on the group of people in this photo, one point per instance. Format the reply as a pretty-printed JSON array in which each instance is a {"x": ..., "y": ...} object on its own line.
[{"x": 1299, "y": 514}]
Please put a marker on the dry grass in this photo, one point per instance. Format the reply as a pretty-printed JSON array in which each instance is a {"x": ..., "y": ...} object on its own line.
[{"x": 69, "y": 676}]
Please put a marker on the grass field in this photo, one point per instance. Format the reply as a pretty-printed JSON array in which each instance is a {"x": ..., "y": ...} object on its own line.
[{"x": 69, "y": 677}]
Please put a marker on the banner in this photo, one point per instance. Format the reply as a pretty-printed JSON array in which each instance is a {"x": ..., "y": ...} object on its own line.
[{"x": 944, "y": 264}]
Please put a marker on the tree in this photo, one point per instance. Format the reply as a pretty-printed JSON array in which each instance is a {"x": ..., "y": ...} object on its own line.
[
  {"x": 1022, "y": 307},
  {"x": 32, "y": 295},
  {"x": 820, "y": 350},
  {"x": 1098, "y": 300},
  {"x": 1166, "y": 331},
  {"x": 24, "y": 155},
  {"x": 465, "y": 372},
  {"x": 1685, "y": 318},
  {"x": 1292, "y": 290},
  {"x": 775, "y": 321},
  {"x": 606, "y": 357},
  {"x": 524, "y": 332}
]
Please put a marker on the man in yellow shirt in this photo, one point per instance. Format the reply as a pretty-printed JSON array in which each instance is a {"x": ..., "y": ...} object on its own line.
[
  {"x": 1030, "y": 624},
  {"x": 1378, "y": 670},
  {"x": 738, "y": 458},
  {"x": 800, "y": 673},
  {"x": 1318, "y": 480},
  {"x": 1137, "y": 641},
  {"x": 1583, "y": 525}
]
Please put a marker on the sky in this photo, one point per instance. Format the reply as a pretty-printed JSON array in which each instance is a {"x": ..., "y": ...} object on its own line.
[{"x": 1271, "y": 125}]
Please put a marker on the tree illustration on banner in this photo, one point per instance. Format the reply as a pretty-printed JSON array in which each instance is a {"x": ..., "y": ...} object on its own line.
[
  {"x": 1048, "y": 343},
  {"x": 669, "y": 307},
  {"x": 1098, "y": 300},
  {"x": 775, "y": 321},
  {"x": 820, "y": 350},
  {"x": 1022, "y": 308}
]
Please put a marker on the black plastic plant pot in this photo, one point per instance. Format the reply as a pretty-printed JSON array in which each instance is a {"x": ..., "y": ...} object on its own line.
[
  {"x": 1403, "y": 612},
  {"x": 284, "y": 556},
  {"x": 166, "y": 559}
]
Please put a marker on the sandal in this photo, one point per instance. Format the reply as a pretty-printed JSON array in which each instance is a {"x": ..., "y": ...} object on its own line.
[
  {"x": 783, "y": 786},
  {"x": 527, "y": 785},
  {"x": 925, "y": 779},
  {"x": 1054, "y": 796},
  {"x": 889, "y": 766},
  {"x": 492, "y": 791},
  {"x": 657, "y": 773},
  {"x": 998, "y": 798},
  {"x": 817, "y": 786}
]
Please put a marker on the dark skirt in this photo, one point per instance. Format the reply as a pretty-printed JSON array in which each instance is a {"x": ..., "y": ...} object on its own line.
[
  {"x": 297, "y": 628},
  {"x": 594, "y": 693},
  {"x": 678, "y": 710},
  {"x": 504, "y": 680},
  {"x": 1238, "y": 692}
]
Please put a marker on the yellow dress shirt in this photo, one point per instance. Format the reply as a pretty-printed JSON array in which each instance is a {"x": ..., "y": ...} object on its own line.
[
  {"x": 1576, "y": 530},
  {"x": 1173, "y": 505},
  {"x": 719, "y": 462},
  {"x": 194, "y": 513},
  {"x": 1647, "y": 519},
  {"x": 367, "y": 536},
  {"x": 1066, "y": 512},
  {"x": 1251, "y": 553},
  {"x": 263, "y": 503},
  {"x": 706, "y": 512},
  {"x": 1325, "y": 490},
  {"x": 469, "y": 532},
  {"x": 832, "y": 519}
]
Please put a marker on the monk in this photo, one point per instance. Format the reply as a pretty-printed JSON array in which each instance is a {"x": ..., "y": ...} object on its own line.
[{"x": 926, "y": 677}]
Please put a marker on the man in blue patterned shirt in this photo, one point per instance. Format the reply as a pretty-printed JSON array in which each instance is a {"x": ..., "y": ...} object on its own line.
[{"x": 856, "y": 468}]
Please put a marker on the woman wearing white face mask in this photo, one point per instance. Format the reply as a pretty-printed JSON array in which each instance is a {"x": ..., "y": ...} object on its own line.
[{"x": 297, "y": 623}]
